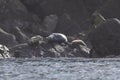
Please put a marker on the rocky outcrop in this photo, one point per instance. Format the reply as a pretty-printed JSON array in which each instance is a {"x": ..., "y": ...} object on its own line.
[
  {"x": 7, "y": 39},
  {"x": 4, "y": 52},
  {"x": 105, "y": 39},
  {"x": 14, "y": 14}
]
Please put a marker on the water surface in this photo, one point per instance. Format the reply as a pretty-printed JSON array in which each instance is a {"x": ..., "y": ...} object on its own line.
[{"x": 60, "y": 69}]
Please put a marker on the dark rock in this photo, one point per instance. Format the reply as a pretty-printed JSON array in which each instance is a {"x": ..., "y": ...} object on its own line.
[
  {"x": 111, "y": 9},
  {"x": 105, "y": 39},
  {"x": 21, "y": 51},
  {"x": 92, "y": 5},
  {"x": 20, "y": 36},
  {"x": 25, "y": 51},
  {"x": 67, "y": 26},
  {"x": 93, "y": 54},
  {"x": 50, "y": 23},
  {"x": 70, "y": 13},
  {"x": 14, "y": 14},
  {"x": 7, "y": 38}
]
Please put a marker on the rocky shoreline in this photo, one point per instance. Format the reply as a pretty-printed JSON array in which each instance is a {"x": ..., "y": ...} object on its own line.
[{"x": 21, "y": 20}]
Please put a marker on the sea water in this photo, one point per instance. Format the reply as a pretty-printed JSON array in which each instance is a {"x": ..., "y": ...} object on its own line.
[{"x": 60, "y": 69}]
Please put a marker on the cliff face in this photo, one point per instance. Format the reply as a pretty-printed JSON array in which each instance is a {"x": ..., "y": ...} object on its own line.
[{"x": 70, "y": 16}]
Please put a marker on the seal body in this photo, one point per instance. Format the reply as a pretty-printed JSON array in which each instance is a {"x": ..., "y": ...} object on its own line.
[
  {"x": 57, "y": 38},
  {"x": 76, "y": 43},
  {"x": 35, "y": 40}
]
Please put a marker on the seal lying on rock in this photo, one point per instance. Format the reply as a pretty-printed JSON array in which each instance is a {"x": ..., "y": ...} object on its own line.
[
  {"x": 35, "y": 40},
  {"x": 79, "y": 48},
  {"x": 57, "y": 38},
  {"x": 75, "y": 43},
  {"x": 4, "y": 51}
]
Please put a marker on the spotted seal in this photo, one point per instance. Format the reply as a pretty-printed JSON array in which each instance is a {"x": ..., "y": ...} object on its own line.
[
  {"x": 35, "y": 40},
  {"x": 57, "y": 38},
  {"x": 75, "y": 43}
]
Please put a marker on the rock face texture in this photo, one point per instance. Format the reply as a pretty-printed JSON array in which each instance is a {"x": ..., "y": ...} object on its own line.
[
  {"x": 22, "y": 19},
  {"x": 111, "y": 9},
  {"x": 14, "y": 14},
  {"x": 105, "y": 39},
  {"x": 7, "y": 39}
]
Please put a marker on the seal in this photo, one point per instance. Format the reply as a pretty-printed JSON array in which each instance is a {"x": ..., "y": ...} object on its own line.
[
  {"x": 57, "y": 38},
  {"x": 35, "y": 40},
  {"x": 78, "y": 42}
]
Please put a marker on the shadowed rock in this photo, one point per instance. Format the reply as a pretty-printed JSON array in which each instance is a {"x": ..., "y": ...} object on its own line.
[
  {"x": 105, "y": 39},
  {"x": 7, "y": 38}
]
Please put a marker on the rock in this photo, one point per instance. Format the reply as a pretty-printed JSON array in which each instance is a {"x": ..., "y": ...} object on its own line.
[
  {"x": 111, "y": 9},
  {"x": 93, "y": 5},
  {"x": 4, "y": 52},
  {"x": 21, "y": 51},
  {"x": 25, "y": 51},
  {"x": 70, "y": 13},
  {"x": 50, "y": 23},
  {"x": 14, "y": 14},
  {"x": 67, "y": 26},
  {"x": 20, "y": 36},
  {"x": 93, "y": 54},
  {"x": 7, "y": 38},
  {"x": 105, "y": 39}
]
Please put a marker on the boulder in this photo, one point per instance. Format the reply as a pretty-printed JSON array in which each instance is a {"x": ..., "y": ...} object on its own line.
[
  {"x": 7, "y": 39},
  {"x": 21, "y": 51},
  {"x": 50, "y": 23},
  {"x": 14, "y": 14},
  {"x": 105, "y": 39}
]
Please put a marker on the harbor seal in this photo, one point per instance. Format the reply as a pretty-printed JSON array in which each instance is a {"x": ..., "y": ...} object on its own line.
[
  {"x": 35, "y": 40},
  {"x": 78, "y": 42},
  {"x": 57, "y": 38}
]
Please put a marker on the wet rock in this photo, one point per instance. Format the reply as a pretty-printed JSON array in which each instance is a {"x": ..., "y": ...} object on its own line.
[
  {"x": 4, "y": 52},
  {"x": 105, "y": 39},
  {"x": 93, "y": 54},
  {"x": 21, "y": 51}
]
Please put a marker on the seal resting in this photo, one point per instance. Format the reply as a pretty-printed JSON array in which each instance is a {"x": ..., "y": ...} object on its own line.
[
  {"x": 79, "y": 48},
  {"x": 35, "y": 40},
  {"x": 75, "y": 43},
  {"x": 57, "y": 38}
]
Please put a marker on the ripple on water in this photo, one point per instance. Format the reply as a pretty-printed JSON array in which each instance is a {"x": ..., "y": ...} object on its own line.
[{"x": 59, "y": 69}]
